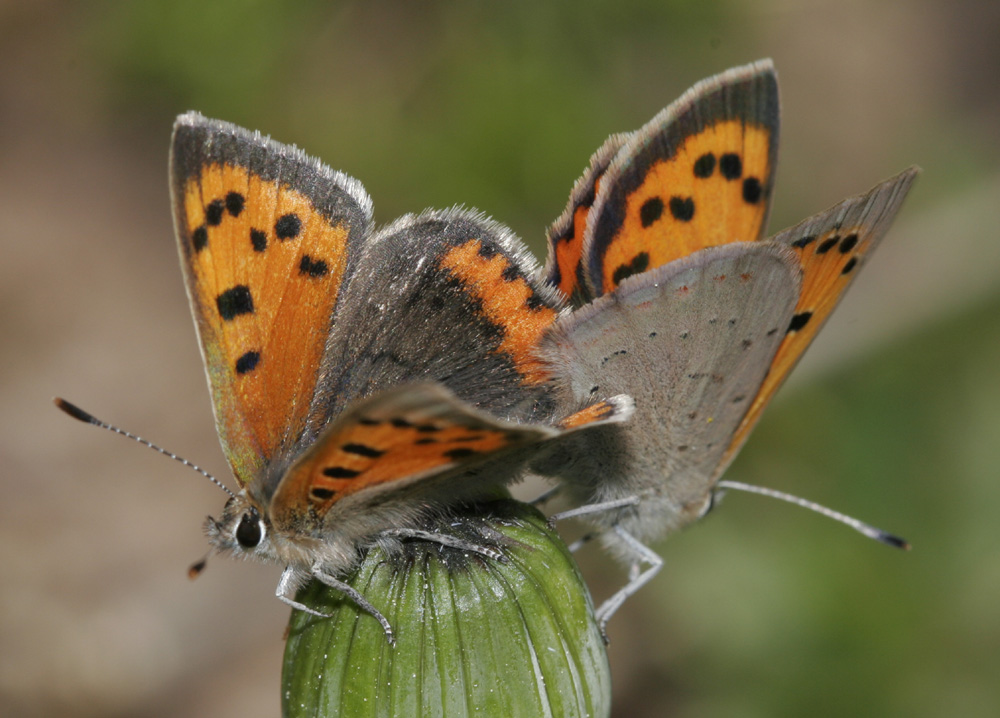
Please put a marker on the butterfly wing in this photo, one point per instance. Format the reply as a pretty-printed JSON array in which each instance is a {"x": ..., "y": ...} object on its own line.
[
  {"x": 566, "y": 235},
  {"x": 699, "y": 174},
  {"x": 268, "y": 239},
  {"x": 691, "y": 342},
  {"x": 445, "y": 296},
  {"x": 831, "y": 247},
  {"x": 408, "y": 440}
]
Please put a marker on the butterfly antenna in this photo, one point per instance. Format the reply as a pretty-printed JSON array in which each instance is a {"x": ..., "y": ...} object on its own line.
[
  {"x": 78, "y": 413},
  {"x": 198, "y": 566},
  {"x": 859, "y": 526}
]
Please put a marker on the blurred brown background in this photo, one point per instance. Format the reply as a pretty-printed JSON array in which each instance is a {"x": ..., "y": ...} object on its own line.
[{"x": 761, "y": 610}]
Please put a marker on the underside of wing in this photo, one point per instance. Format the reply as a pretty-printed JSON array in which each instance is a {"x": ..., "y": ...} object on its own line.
[
  {"x": 691, "y": 342},
  {"x": 831, "y": 248}
]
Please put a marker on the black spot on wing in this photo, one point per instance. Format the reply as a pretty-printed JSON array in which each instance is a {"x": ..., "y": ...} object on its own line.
[
  {"x": 234, "y": 302},
  {"x": 213, "y": 213},
  {"x": 248, "y": 362},
  {"x": 288, "y": 226},
  {"x": 340, "y": 472},
  {"x": 731, "y": 166},
  {"x": 682, "y": 208},
  {"x": 650, "y": 211},
  {"x": 369, "y": 452},
  {"x": 848, "y": 243},
  {"x": 258, "y": 238},
  {"x": 312, "y": 267},
  {"x": 235, "y": 203},
  {"x": 799, "y": 321},
  {"x": 199, "y": 238},
  {"x": 827, "y": 244},
  {"x": 639, "y": 263},
  {"x": 704, "y": 166}
]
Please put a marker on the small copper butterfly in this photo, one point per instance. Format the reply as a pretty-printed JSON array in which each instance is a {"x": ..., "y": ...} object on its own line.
[
  {"x": 360, "y": 378},
  {"x": 680, "y": 303},
  {"x": 364, "y": 378}
]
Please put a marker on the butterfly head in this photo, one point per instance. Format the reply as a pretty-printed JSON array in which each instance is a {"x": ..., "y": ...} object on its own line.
[{"x": 242, "y": 530}]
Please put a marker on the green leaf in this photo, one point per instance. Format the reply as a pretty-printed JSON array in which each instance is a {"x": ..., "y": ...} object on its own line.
[{"x": 474, "y": 635}]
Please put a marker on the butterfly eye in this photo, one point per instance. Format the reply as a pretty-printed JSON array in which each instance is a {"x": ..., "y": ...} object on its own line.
[{"x": 249, "y": 532}]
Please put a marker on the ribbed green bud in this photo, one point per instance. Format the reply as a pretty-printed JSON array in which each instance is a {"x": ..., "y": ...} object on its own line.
[{"x": 474, "y": 635}]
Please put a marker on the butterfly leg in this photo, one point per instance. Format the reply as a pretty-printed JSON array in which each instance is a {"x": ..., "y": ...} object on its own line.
[
  {"x": 637, "y": 578},
  {"x": 355, "y": 595},
  {"x": 593, "y": 509},
  {"x": 446, "y": 540},
  {"x": 290, "y": 579}
]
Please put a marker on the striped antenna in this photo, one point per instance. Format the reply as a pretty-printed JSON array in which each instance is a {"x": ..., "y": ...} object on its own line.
[
  {"x": 859, "y": 526},
  {"x": 78, "y": 413}
]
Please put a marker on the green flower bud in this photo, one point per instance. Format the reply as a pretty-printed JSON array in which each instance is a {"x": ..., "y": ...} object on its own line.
[{"x": 474, "y": 635}]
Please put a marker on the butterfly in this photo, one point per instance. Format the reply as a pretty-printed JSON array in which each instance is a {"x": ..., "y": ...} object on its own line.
[
  {"x": 680, "y": 302},
  {"x": 360, "y": 379}
]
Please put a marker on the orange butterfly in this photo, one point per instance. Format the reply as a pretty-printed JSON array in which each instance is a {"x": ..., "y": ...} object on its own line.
[
  {"x": 681, "y": 303},
  {"x": 360, "y": 379},
  {"x": 363, "y": 378}
]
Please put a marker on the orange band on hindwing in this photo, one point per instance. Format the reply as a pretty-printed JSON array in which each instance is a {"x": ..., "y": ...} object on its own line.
[
  {"x": 507, "y": 300},
  {"x": 389, "y": 451}
]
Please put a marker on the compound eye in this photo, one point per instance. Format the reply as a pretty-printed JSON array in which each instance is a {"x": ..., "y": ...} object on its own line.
[{"x": 249, "y": 532}]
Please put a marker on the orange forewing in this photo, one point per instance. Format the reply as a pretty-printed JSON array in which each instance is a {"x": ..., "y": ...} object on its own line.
[
  {"x": 566, "y": 234},
  {"x": 831, "y": 247},
  {"x": 711, "y": 191},
  {"x": 264, "y": 269},
  {"x": 568, "y": 248},
  {"x": 507, "y": 300}
]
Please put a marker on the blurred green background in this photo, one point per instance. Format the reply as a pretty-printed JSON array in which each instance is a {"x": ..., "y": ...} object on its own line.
[{"x": 762, "y": 609}]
